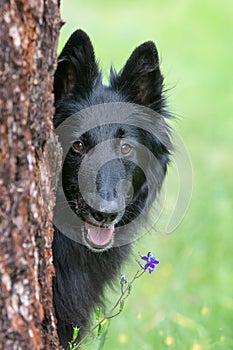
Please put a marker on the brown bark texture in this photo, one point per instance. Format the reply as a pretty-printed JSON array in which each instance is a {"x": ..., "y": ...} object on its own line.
[{"x": 28, "y": 42}]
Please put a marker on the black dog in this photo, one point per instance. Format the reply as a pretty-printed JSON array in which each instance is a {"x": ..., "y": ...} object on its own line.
[{"x": 128, "y": 119}]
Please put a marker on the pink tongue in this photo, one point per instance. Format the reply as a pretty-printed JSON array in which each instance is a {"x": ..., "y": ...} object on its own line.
[{"x": 99, "y": 235}]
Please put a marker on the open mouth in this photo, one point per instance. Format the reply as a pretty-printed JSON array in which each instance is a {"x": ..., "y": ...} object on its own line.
[{"x": 98, "y": 237}]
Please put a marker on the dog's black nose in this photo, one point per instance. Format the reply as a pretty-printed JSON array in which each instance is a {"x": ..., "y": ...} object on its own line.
[{"x": 105, "y": 218}]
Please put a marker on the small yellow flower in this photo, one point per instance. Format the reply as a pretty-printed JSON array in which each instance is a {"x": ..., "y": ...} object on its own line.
[
  {"x": 222, "y": 338},
  {"x": 122, "y": 338},
  {"x": 169, "y": 341},
  {"x": 204, "y": 310},
  {"x": 139, "y": 316},
  {"x": 196, "y": 347}
]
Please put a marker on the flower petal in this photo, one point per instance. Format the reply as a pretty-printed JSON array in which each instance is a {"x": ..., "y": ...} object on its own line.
[
  {"x": 150, "y": 269},
  {"x": 139, "y": 263},
  {"x": 144, "y": 257}
]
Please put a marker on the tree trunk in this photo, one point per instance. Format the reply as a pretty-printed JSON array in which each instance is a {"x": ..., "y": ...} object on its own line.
[{"x": 29, "y": 30}]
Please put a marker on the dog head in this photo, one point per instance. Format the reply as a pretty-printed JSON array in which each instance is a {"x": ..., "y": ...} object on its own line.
[{"x": 115, "y": 139}]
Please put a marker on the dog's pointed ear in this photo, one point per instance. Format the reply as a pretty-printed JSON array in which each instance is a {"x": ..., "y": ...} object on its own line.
[
  {"x": 76, "y": 69},
  {"x": 140, "y": 79}
]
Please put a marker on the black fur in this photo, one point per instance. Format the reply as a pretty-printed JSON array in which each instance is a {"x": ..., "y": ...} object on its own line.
[{"x": 83, "y": 270}]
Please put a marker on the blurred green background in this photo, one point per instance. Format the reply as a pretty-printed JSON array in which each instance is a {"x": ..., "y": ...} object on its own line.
[{"x": 187, "y": 302}]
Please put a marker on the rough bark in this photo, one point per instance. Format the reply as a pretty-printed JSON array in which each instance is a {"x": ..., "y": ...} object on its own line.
[{"x": 28, "y": 42}]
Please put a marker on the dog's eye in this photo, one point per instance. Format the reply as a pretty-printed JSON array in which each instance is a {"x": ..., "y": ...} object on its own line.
[
  {"x": 78, "y": 146},
  {"x": 126, "y": 149}
]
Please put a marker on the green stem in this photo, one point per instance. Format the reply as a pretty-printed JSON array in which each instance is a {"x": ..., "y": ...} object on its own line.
[
  {"x": 123, "y": 292},
  {"x": 103, "y": 337},
  {"x": 87, "y": 335}
]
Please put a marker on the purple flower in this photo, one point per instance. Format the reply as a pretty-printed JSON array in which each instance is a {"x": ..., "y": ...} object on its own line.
[
  {"x": 123, "y": 279},
  {"x": 151, "y": 262}
]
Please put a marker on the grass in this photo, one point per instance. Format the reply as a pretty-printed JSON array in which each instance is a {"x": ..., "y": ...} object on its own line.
[{"x": 187, "y": 303}]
